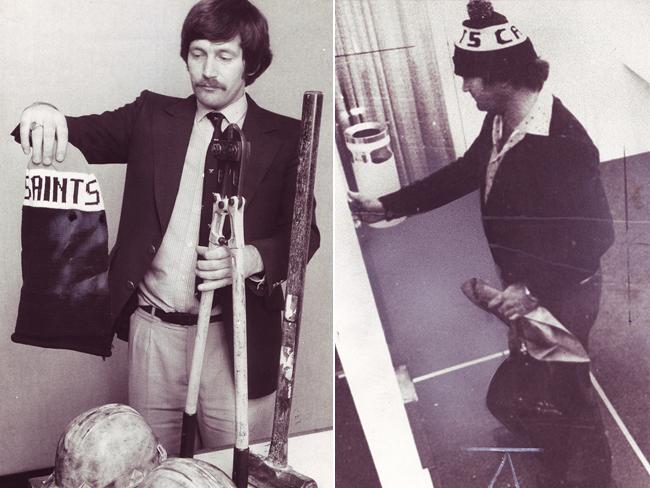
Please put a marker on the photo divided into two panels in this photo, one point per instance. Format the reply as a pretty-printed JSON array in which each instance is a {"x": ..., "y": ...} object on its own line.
[
  {"x": 491, "y": 320},
  {"x": 199, "y": 153}
]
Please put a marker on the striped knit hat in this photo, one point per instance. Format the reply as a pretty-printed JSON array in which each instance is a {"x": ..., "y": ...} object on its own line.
[{"x": 490, "y": 44}]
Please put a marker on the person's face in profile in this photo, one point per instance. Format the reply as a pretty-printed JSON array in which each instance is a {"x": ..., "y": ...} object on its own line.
[
  {"x": 216, "y": 71},
  {"x": 489, "y": 97}
]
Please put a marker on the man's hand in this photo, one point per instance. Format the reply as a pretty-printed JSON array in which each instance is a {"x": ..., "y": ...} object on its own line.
[
  {"x": 215, "y": 266},
  {"x": 514, "y": 302},
  {"x": 49, "y": 133},
  {"x": 366, "y": 209}
]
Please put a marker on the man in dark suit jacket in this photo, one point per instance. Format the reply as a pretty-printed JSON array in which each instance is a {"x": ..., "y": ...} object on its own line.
[
  {"x": 547, "y": 223},
  {"x": 163, "y": 140}
]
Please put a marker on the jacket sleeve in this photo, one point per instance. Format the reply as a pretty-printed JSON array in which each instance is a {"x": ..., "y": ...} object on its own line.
[
  {"x": 445, "y": 185},
  {"x": 105, "y": 137},
  {"x": 274, "y": 248}
]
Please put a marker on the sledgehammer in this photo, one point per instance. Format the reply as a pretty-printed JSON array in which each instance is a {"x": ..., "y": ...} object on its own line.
[{"x": 273, "y": 471}]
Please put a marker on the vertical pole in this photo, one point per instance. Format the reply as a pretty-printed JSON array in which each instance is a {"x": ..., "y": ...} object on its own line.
[{"x": 298, "y": 255}]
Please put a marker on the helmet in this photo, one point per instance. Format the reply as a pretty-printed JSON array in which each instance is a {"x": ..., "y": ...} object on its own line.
[
  {"x": 186, "y": 473},
  {"x": 111, "y": 445}
]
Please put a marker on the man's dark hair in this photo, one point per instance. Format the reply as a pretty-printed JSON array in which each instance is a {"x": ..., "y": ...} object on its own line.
[
  {"x": 531, "y": 75},
  {"x": 223, "y": 20}
]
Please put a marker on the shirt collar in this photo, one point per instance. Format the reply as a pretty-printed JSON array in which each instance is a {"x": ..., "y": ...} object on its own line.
[
  {"x": 538, "y": 120},
  {"x": 234, "y": 113}
]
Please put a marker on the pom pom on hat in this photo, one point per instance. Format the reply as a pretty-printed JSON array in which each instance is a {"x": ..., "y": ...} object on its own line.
[
  {"x": 481, "y": 14},
  {"x": 480, "y": 9}
]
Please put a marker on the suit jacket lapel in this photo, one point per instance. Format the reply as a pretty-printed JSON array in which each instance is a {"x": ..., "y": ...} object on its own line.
[
  {"x": 263, "y": 148},
  {"x": 172, "y": 129}
]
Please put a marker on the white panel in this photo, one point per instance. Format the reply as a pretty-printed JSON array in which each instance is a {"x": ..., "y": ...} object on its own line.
[{"x": 364, "y": 354}]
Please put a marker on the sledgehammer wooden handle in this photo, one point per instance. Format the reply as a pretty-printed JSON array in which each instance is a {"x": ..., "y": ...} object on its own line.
[{"x": 298, "y": 255}]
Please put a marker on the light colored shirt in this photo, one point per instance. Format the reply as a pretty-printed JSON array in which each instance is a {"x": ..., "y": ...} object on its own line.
[
  {"x": 537, "y": 122},
  {"x": 169, "y": 284}
]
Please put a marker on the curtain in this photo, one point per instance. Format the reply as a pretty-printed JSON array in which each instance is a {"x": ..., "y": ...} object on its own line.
[{"x": 386, "y": 69}]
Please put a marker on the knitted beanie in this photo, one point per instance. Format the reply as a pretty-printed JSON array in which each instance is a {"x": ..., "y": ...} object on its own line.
[{"x": 490, "y": 44}]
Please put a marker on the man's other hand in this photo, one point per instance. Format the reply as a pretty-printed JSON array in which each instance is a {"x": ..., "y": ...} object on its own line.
[
  {"x": 48, "y": 130},
  {"x": 366, "y": 209},
  {"x": 514, "y": 302},
  {"x": 214, "y": 266}
]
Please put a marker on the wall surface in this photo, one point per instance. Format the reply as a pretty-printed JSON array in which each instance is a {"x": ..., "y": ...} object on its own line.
[{"x": 91, "y": 56}]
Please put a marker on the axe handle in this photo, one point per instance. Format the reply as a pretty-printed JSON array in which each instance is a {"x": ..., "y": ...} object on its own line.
[{"x": 298, "y": 256}]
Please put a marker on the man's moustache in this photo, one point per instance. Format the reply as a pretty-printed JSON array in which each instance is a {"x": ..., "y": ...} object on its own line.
[{"x": 210, "y": 85}]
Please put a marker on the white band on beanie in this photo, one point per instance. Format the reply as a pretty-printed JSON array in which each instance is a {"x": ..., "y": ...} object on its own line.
[
  {"x": 62, "y": 190},
  {"x": 492, "y": 38}
]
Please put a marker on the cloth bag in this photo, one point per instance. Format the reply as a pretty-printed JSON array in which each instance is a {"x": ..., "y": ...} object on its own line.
[
  {"x": 539, "y": 333},
  {"x": 543, "y": 391},
  {"x": 64, "y": 300},
  {"x": 546, "y": 377}
]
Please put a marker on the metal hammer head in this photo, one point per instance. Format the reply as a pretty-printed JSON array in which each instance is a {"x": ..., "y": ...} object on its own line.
[{"x": 262, "y": 474}]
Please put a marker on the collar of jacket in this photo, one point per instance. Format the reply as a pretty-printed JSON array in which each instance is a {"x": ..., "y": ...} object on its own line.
[
  {"x": 171, "y": 138},
  {"x": 563, "y": 124}
]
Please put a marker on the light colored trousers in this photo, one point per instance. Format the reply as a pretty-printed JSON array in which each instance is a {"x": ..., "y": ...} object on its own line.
[{"x": 160, "y": 357}]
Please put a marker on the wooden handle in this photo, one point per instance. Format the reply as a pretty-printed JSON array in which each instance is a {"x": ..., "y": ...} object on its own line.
[
  {"x": 298, "y": 254},
  {"x": 240, "y": 352},
  {"x": 205, "y": 309},
  {"x": 188, "y": 429},
  {"x": 240, "y": 462}
]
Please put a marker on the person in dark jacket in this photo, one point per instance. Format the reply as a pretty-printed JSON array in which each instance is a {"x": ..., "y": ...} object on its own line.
[
  {"x": 547, "y": 222},
  {"x": 157, "y": 256}
]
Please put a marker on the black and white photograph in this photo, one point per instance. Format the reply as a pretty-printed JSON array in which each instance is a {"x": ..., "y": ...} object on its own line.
[
  {"x": 167, "y": 243},
  {"x": 492, "y": 223},
  {"x": 319, "y": 243}
]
